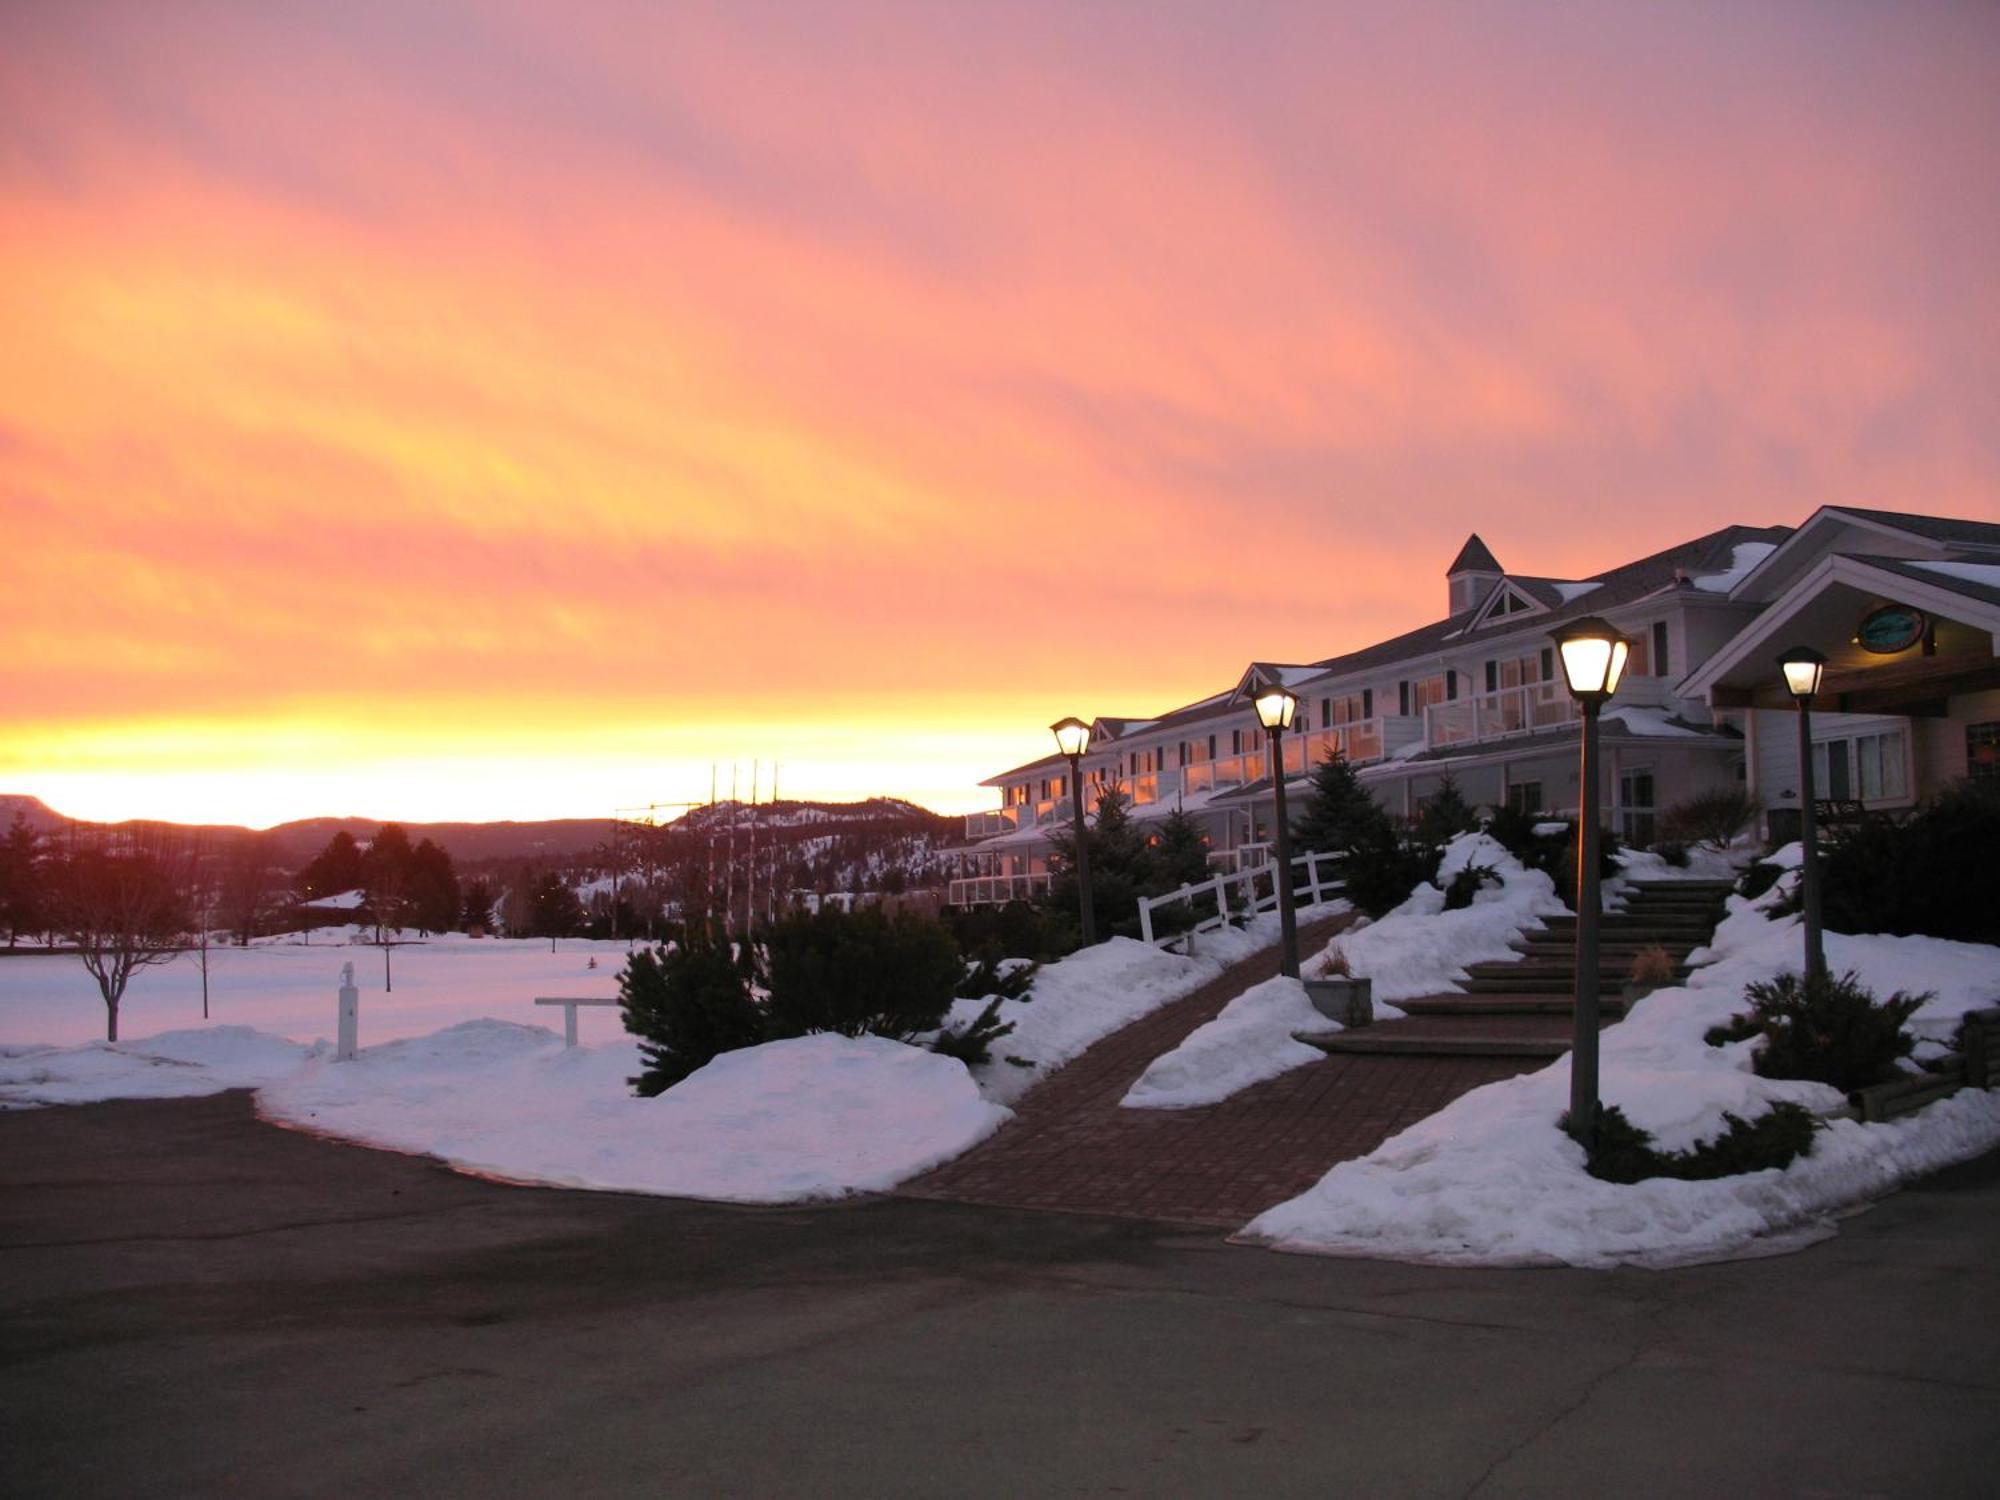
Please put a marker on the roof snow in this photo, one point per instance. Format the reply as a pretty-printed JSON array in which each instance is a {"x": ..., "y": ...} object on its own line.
[{"x": 1742, "y": 558}]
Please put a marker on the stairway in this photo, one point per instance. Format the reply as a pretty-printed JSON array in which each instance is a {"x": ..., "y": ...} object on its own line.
[{"x": 1525, "y": 1007}]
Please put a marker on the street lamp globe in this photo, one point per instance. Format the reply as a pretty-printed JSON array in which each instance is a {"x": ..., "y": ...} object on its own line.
[
  {"x": 1072, "y": 736},
  {"x": 1275, "y": 708},
  {"x": 1593, "y": 657},
  {"x": 1803, "y": 668}
]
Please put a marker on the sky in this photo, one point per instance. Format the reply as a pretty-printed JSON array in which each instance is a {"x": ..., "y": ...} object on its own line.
[{"x": 516, "y": 410}]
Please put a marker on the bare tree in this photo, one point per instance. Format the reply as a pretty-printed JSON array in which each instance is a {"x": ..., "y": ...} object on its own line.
[
  {"x": 120, "y": 897},
  {"x": 249, "y": 885}
]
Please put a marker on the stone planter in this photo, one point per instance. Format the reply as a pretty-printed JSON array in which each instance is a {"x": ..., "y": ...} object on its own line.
[{"x": 1351, "y": 1002}]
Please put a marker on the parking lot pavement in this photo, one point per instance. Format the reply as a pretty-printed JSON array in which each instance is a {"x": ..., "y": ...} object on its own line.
[{"x": 192, "y": 1302}]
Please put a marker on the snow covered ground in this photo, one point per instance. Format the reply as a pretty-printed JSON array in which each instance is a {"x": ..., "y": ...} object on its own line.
[
  {"x": 454, "y": 1064},
  {"x": 288, "y": 989},
  {"x": 1490, "y": 1180},
  {"x": 812, "y": 1118},
  {"x": 1250, "y": 1041},
  {"x": 1421, "y": 949}
]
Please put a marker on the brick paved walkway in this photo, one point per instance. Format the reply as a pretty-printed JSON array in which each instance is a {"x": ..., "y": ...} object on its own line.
[{"x": 1070, "y": 1146}]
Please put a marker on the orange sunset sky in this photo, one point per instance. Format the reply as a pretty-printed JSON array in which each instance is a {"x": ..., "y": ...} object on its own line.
[{"x": 508, "y": 410}]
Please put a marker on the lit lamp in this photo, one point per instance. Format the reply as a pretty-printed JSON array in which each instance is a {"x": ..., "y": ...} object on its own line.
[
  {"x": 1275, "y": 708},
  {"x": 1072, "y": 739},
  {"x": 1593, "y": 660},
  {"x": 1804, "y": 668}
]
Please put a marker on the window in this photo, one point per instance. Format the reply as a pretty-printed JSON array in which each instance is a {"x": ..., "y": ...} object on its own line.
[
  {"x": 1660, "y": 664},
  {"x": 1548, "y": 664},
  {"x": 1326, "y": 713},
  {"x": 1368, "y": 703},
  {"x": 1235, "y": 742},
  {"x": 1640, "y": 662},
  {"x": 1525, "y": 796},
  {"x": 1982, "y": 751},
  {"x": 1493, "y": 677},
  {"x": 1635, "y": 806},
  {"x": 1871, "y": 767},
  {"x": 1430, "y": 690},
  {"x": 1403, "y": 699},
  {"x": 1508, "y": 603}
]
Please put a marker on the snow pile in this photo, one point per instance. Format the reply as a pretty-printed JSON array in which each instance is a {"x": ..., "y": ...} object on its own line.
[
  {"x": 1249, "y": 1042},
  {"x": 1490, "y": 1180},
  {"x": 1422, "y": 949},
  {"x": 811, "y": 1118},
  {"x": 1095, "y": 991},
  {"x": 173, "y": 1065}
]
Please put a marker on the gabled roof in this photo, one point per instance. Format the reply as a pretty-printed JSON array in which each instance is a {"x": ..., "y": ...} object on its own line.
[
  {"x": 1473, "y": 557},
  {"x": 1942, "y": 532},
  {"x": 1598, "y": 594},
  {"x": 1948, "y": 529}
]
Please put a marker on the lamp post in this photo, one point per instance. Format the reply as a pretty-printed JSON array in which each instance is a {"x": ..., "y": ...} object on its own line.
[
  {"x": 1072, "y": 739},
  {"x": 1593, "y": 659},
  {"x": 1804, "y": 668},
  {"x": 1275, "y": 708}
]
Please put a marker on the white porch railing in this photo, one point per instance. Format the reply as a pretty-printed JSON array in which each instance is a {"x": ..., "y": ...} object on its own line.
[
  {"x": 1246, "y": 892},
  {"x": 996, "y": 890},
  {"x": 982, "y": 825},
  {"x": 1487, "y": 716}
]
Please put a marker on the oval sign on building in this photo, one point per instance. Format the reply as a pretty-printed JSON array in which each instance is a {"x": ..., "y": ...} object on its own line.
[{"x": 1889, "y": 629}]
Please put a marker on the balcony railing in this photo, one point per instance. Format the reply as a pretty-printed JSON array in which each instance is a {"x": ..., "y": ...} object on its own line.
[
  {"x": 997, "y": 890},
  {"x": 1488, "y": 716},
  {"x": 982, "y": 825}
]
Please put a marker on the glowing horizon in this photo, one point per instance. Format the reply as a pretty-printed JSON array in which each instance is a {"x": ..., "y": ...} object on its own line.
[{"x": 515, "y": 408}]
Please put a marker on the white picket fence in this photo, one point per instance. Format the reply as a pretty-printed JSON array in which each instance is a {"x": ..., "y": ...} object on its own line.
[{"x": 1314, "y": 880}]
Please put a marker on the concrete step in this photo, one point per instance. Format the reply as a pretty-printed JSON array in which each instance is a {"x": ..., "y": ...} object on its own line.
[
  {"x": 1677, "y": 887},
  {"x": 1506, "y": 1005},
  {"x": 1564, "y": 967},
  {"x": 1378, "y": 1041}
]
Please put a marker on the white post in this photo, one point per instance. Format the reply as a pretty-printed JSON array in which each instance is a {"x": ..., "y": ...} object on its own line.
[
  {"x": 350, "y": 1015},
  {"x": 1146, "y": 919},
  {"x": 1222, "y": 899},
  {"x": 569, "y": 1025}
]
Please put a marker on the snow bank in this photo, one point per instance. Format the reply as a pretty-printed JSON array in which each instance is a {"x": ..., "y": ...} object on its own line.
[
  {"x": 1249, "y": 1042},
  {"x": 173, "y": 1065},
  {"x": 1421, "y": 949},
  {"x": 1490, "y": 1180},
  {"x": 811, "y": 1118},
  {"x": 1092, "y": 993}
]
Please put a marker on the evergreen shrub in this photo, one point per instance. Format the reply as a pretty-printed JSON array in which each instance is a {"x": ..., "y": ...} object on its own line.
[
  {"x": 859, "y": 972},
  {"x": 686, "y": 1004},
  {"x": 1467, "y": 883},
  {"x": 972, "y": 1043},
  {"x": 1624, "y": 1153},
  {"x": 1935, "y": 875},
  {"x": 1824, "y": 1030}
]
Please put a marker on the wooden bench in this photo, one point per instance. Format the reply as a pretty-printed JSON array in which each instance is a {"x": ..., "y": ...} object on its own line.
[{"x": 569, "y": 1003}]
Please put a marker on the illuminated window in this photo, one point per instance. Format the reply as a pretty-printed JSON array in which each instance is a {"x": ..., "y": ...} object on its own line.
[{"x": 1982, "y": 751}]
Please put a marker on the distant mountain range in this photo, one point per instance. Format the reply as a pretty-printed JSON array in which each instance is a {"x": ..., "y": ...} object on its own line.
[{"x": 556, "y": 838}]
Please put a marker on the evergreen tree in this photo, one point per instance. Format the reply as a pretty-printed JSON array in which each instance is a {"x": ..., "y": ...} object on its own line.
[
  {"x": 334, "y": 869},
  {"x": 556, "y": 911},
  {"x": 1445, "y": 814},
  {"x": 21, "y": 904},
  {"x": 385, "y": 876},
  {"x": 686, "y": 1004},
  {"x": 476, "y": 904},
  {"x": 1179, "y": 857},
  {"x": 433, "y": 886},
  {"x": 1339, "y": 814},
  {"x": 1118, "y": 860}
]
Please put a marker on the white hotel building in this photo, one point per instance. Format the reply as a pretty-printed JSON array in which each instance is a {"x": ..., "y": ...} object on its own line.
[{"x": 1906, "y": 607}]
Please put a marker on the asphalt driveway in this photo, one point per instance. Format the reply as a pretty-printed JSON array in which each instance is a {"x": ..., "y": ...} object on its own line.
[{"x": 192, "y": 1303}]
